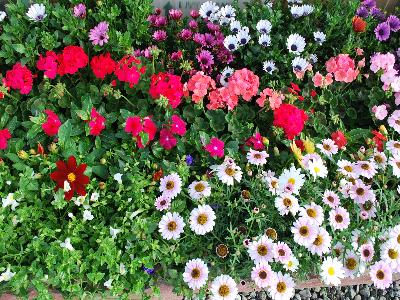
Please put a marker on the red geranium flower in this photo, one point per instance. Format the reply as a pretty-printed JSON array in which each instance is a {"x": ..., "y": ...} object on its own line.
[
  {"x": 135, "y": 126},
  {"x": 167, "y": 85},
  {"x": 53, "y": 123},
  {"x": 73, "y": 174},
  {"x": 127, "y": 70},
  {"x": 339, "y": 139},
  {"x": 291, "y": 119},
  {"x": 71, "y": 60},
  {"x": 97, "y": 122},
  {"x": 19, "y": 78},
  {"x": 5, "y": 135},
  {"x": 48, "y": 64},
  {"x": 102, "y": 65},
  {"x": 378, "y": 139}
]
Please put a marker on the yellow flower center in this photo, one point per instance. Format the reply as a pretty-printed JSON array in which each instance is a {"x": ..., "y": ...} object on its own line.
[
  {"x": 311, "y": 213},
  {"x": 202, "y": 219},
  {"x": 393, "y": 254},
  {"x": 71, "y": 177},
  {"x": 281, "y": 287},
  {"x": 195, "y": 273},
  {"x": 303, "y": 231},
  {"x": 331, "y": 271},
  {"x": 292, "y": 181},
  {"x": 380, "y": 275},
  {"x": 317, "y": 170},
  {"x": 230, "y": 171},
  {"x": 318, "y": 240},
  {"x": 351, "y": 263},
  {"x": 262, "y": 274},
  {"x": 223, "y": 290},
  {"x": 262, "y": 250},
  {"x": 287, "y": 202},
  {"x": 199, "y": 187},
  {"x": 172, "y": 226},
  {"x": 170, "y": 185}
]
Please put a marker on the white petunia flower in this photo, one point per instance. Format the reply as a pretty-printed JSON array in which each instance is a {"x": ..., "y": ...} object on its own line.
[
  {"x": 118, "y": 178},
  {"x": 94, "y": 197},
  {"x": 108, "y": 283},
  {"x": 37, "y": 12},
  {"x": 6, "y": 275},
  {"x": 10, "y": 201},
  {"x": 67, "y": 244},
  {"x": 122, "y": 269},
  {"x": 67, "y": 186},
  {"x": 87, "y": 215}
]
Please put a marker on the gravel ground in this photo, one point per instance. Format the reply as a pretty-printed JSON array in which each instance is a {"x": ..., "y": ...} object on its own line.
[{"x": 357, "y": 292}]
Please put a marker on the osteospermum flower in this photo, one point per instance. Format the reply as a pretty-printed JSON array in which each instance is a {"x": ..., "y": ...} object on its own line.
[
  {"x": 286, "y": 203},
  {"x": 299, "y": 64},
  {"x": 225, "y": 74},
  {"x": 257, "y": 158},
  {"x": 331, "y": 199},
  {"x": 227, "y": 12},
  {"x": 261, "y": 250},
  {"x": 269, "y": 66},
  {"x": 381, "y": 275},
  {"x": 328, "y": 147},
  {"x": 199, "y": 189},
  {"x": 228, "y": 171},
  {"x": 314, "y": 212},
  {"x": 171, "y": 226},
  {"x": 262, "y": 274},
  {"x": 322, "y": 242},
  {"x": 282, "y": 252},
  {"x": 264, "y": 26},
  {"x": 36, "y": 12},
  {"x": 235, "y": 26},
  {"x": 231, "y": 42},
  {"x": 223, "y": 287},
  {"x": 339, "y": 218},
  {"x": 202, "y": 219},
  {"x": 98, "y": 35},
  {"x": 296, "y": 43},
  {"x": 196, "y": 273},
  {"x": 332, "y": 271},
  {"x": 319, "y": 37},
  {"x": 282, "y": 287},
  {"x": 205, "y": 59},
  {"x": 207, "y": 9},
  {"x": 162, "y": 203},
  {"x": 264, "y": 40},
  {"x": 304, "y": 231},
  {"x": 73, "y": 174},
  {"x": 171, "y": 185},
  {"x": 243, "y": 36}
]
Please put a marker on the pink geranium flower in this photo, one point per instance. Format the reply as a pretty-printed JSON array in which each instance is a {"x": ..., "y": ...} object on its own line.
[
  {"x": 178, "y": 125},
  {"x": 322, "y": 81},
  {"x": 167, "y": 139},
  {"x": 5, "y": 135},
  {"x": 215, "y": 147},
  {"x": 52, "y": 124},
  {"x": 380, "y": 111},
  {"x": 275, "y": 98},
  {"x": 244, "y": 83},
  {"x": 97, "y": 122},
  {"x": 199, "y": 84},
  {"x": 342, "y": 67},
  {"x": 221, "y": 98}
]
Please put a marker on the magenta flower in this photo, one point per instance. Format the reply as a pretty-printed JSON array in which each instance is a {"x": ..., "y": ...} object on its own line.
[
  {"x": 205, "y": 58},
  {"x": 160, "y": 21},
  {"x": 159, "y": 35},
  {"x": 175, "y": 14},
  {"x": 394, "y": 23},
  {"x": 185, "y": 34},
  {"x": 215, "y": 147},
  {"x": 99, "y": 34},
  {"x": 193, "y": 24},
  {"x": 80, "y": 10},
  {"x": 194, "y": 14}
]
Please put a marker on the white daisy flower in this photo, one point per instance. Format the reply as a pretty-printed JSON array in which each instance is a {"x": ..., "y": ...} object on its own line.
[
  {"x": 264, "y": 40},
  {"x": 269, "y": 66},
  {"x": 296, "y": 43},
  {"x": 118, "y": 178},
  {"x": 328, "y": 147},
  {"x": 208, "y": 9},
  {"x": 261, "y": 250},
  {"x": 199, "y": 189},
  {"x": 322, "y": 242},
  {"x": 393, "y": 147},
  {"x": 332, "y": 271},
  {"x": 257, "y": 158},
  {"x": 390, "y": 253},
  {"x": 347, "y": 168},
  {"x": 202, "y": 219},
  {"x": 6, "y": 275},
  {"x": 379, "y": 158},
  {"x": 394, "y": 120},
  {"x": 87, "y": 215},
  {"x": 228, "y": 171},
  {"x": 243, "y": 36},
  {"x": 292, "y": 264},
  {"x": 171, "y": 185},
  {"x": 282, "y": 287},
  {"x": 297, "y": 11},
  {"x": 287, "y": 203},
  {"x": 313, "y": 58},
  {"x": 225, "y": 74},
  {"x": 67, "y": 244},
  {"x": 319, "y": 37},
  {"x": 307, "y": 9},
  {"x": 37, "y": 12},
  {"x": 223, "y": 287},
  {"x": 299, "y": 64},
  {"x": 196, "y": 274},
  {"x": 171, "y": 226},
  {"x": 114, "y": 232},
  {"x": 365, "y": 168},
  {"x": 314, "y": 212},
  {"x": 231, "y": 42},
  {"x": 352, "y": 265},
  {"x": 304, "y": 231},
  {"x": 317, "y": 168},
  {"x": 273, "y": 185},
  {"x": 235, "y": 26},
  {"x": 292, "y": 179},
  {"x": 227, "y": 12},
  {"x": 264, "y": 26},
  {"x": 3, "y": 15},
  {"x": 10, "y": 201}
]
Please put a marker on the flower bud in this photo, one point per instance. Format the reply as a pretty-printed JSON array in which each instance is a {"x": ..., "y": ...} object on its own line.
[
  {"x": 23, "y": 155},
  {"x": 102, "y": 185},
  {"x": 383, "y": 130},
  {"x": 103, "y": 161},
  {"x": 53, "y": 148}
]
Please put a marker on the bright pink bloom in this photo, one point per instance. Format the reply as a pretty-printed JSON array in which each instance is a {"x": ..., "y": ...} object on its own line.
[
  {"x": 71, "y": 60},
  {"x": 244, "y": 83},
  {"x": 52, "y": 124},
  {"x": 275, "y": 98},
  {"x": 199, "y": 84},
  {"x": 5, "y": 135},
  {"x": 167, "y": 139},
  {"x": 215, "y": 147},
  {"x": 321, "y": 81},
  {"x": 178, "y": 125},
  {"x": 291, "y": 119},
  {"x": 19, "y": 78},
  {"x": 343, "y": 68},
  {"x": 222, "y": 97},
  {"x": 133, "y": 125},
  {"x": 102, "y": 65},
  {"x": 137, "y": 126},
  {"x": 48, "y": 64},
  {"x": 97, "y": 122},
  {"x": 255, "y": 141},
  {"x": 167, "y": 85},
  {"x": 127, "y": 70},
  {"x": 339, "y": 138}
]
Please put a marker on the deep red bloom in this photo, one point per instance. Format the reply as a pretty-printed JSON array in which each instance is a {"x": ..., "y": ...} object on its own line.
[
  {"x": 178, "y": 125},
  {"x": 97, "y": 122},
  {"x": 313, "y": 93},
  {"x": 300, "y": 144},
  {"x": 5, "y": 135},
  {"x": 291, "y": 119},
  {"x": 53, "y": 123},
  {"x": 48, "y": 64},
  {"x": 19, "y": 78},
  {"x": 127, "y": 70},
  {"x": 40, "y": 149},
  {"x": 215, "y": 147},
  {"x": 71, "y": 60},
  {"x": 167, "y": 85},
  {"x": 136, "y": 126},
  {"x": 378, "y": 139},
  {"x": 167, "y": 139},
  {"x": 339, "y": 139},
  {"x": 157, "y": 175},
  {"x": 294, "y": 89},
  {"x": 255, "y": 141},
  {"x": 359, "y": 25},
  {"x": 102, "y": 65},
  {"x": 73, "y": 174}
]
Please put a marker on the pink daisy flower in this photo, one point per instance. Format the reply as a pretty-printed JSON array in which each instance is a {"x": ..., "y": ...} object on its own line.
[
  {"x": 162, "y": 203},
  {"x": 393, "y": 147},
  {"x": 331, "y": 199},
  {"x": 282, "y": 252},
  {"x": 261, "y": 250},
  {"x": 314, "y": 212},
  {"x": 366, "y": 252},
  {"x": 347, "y": 168},
  {"x": 339, "y": 218},
  {"x": 361, "y": 192},
  {"x": 304, "y": 231},
  {"x": 99, "y": 34},
  {"x": 262, "y": 274},
  {"x": 322, "y": 242},
  {"x": 196, "y": 273},
  {"x": 366, "y": 169},
  {"x": 171, "y": 185},
  {"x": 394, "y": 120},
  {"x": 328, "y": 147},
  {"x": 381, "y": 275}
]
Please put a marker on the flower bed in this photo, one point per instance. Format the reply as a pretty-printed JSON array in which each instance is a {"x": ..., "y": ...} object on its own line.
[{"x": 233, "y": 144}]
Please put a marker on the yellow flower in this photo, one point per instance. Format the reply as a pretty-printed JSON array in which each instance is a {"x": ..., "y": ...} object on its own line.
[
  {"x": 383, "y": 130},
  {"x": 309, "y": 146},
  {"x": 297, "y": 153}
]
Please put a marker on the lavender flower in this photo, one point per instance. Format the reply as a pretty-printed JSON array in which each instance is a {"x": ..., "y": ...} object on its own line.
[
  {"x": 149, "y": 271},
  {"x": 185, "y": 34},
  {"x": 193, "y": 24},
  {"x": 377, "y": 14},
  {"x": 394, "y": 23},
  {"x": 80, "y": 10},
  {"x": 99, "y": 34},
  {"x": 382, "y": 31},
  {"x": 189, "y": 160},
  {"x": 362, "y": 12},
  {"x": 369, "y": 3},
  {"x": 205, "y": 58},
  {"x": 175, "y": 14},
  {"x": 159, "y": 35}
]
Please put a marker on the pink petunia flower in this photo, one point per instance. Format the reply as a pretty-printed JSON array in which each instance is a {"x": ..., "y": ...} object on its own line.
[
  {"x": 178, "y": 125},
  {"x": 215, "y": 147},
  {"x": 167, "y": 139}
]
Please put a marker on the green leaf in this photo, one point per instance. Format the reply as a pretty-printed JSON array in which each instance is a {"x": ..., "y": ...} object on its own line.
[
  {"x": 217, "y": 119},
  {"x": 19, "y": 48},
  {"x": 64, "y": 134},
  {"x": 100, "y": 171}
]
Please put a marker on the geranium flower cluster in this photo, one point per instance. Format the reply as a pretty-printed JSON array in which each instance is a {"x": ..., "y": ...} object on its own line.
[
  {"x": 384, "y": 64},
  {"x": 343, "y": 69},
  {"x": 167, "y": 85}
]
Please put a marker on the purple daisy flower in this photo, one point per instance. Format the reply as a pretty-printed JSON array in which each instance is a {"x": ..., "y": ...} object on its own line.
[
  {"x": 175, "y": 14},
  {"x": 185, "y": 34},
  {"x": 369, "y": 3},
  {"x": 205, "y": 58},
  {"x": 199, "y": 38},
  {"x": 377, "y": 14},
  {"x": 160, "y": 21},
  {"x": 193, "y": 24},
  {"x": 159, "y": 35},
  {"x": 99, "y": 34},
  {"x": 80, "y": 10},
  {"x": 394, "y": 23},
  {"x": 362, "y": 12},
  {"x": 382, "y": 31}
]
